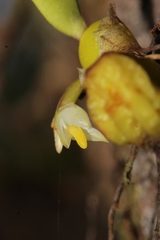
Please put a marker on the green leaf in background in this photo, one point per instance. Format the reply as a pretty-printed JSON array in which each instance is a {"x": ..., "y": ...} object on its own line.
[{"x": 63, "y": 15}]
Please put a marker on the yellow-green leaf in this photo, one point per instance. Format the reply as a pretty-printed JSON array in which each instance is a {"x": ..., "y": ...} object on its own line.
[{"x": 63, "y": 15}]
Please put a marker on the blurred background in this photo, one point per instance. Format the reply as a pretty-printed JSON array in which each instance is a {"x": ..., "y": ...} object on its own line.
[{"x": 44, "y": 195}]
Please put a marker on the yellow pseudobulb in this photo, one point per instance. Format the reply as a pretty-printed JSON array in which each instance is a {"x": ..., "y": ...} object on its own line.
[{"x": 122, "y": 100}]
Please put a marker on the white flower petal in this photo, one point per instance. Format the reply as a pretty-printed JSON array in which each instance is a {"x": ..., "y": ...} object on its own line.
[
  {"x": 93, "y": 134},
  {"x": 63, "y": 133},
  {"x": 58, "y": 143},
  {"x": 76, "y": 116}
]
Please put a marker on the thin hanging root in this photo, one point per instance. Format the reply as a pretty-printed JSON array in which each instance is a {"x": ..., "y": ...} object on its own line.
[
  {"x": 126, "y": 179},
  {"x": 129, "y": 164},
  {"x": 157, "y": 229}
]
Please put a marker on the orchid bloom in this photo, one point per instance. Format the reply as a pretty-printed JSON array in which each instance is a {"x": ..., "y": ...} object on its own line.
[{"x": 72, "y": 123}]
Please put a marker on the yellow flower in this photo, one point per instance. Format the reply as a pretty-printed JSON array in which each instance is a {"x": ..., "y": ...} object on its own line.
[{"x": 72, "y": 123}]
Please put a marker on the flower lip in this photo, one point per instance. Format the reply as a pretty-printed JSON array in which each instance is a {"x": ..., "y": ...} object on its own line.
[{"x": 78, "y": 135}]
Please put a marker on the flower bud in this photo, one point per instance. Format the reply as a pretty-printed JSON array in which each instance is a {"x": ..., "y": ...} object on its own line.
[{"x": 107, "y": 35}]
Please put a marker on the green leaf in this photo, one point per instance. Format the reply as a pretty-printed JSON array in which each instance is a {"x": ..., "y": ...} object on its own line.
[{"x": 63, "y": 15}]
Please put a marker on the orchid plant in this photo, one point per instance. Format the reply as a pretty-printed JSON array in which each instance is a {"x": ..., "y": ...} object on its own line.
[
  {"x": 108, "y": 111},
  {"x": 70, "y": 121}
]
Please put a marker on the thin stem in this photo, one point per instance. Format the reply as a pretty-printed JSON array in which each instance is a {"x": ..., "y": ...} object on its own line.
[
  {"x": 153, "y": 56},
  {"x": 126, "y": 179},
  {"x": 71, "y": 94},
  {"x": 129, "y": 164},
  {"x": 113, "y": 208}
]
